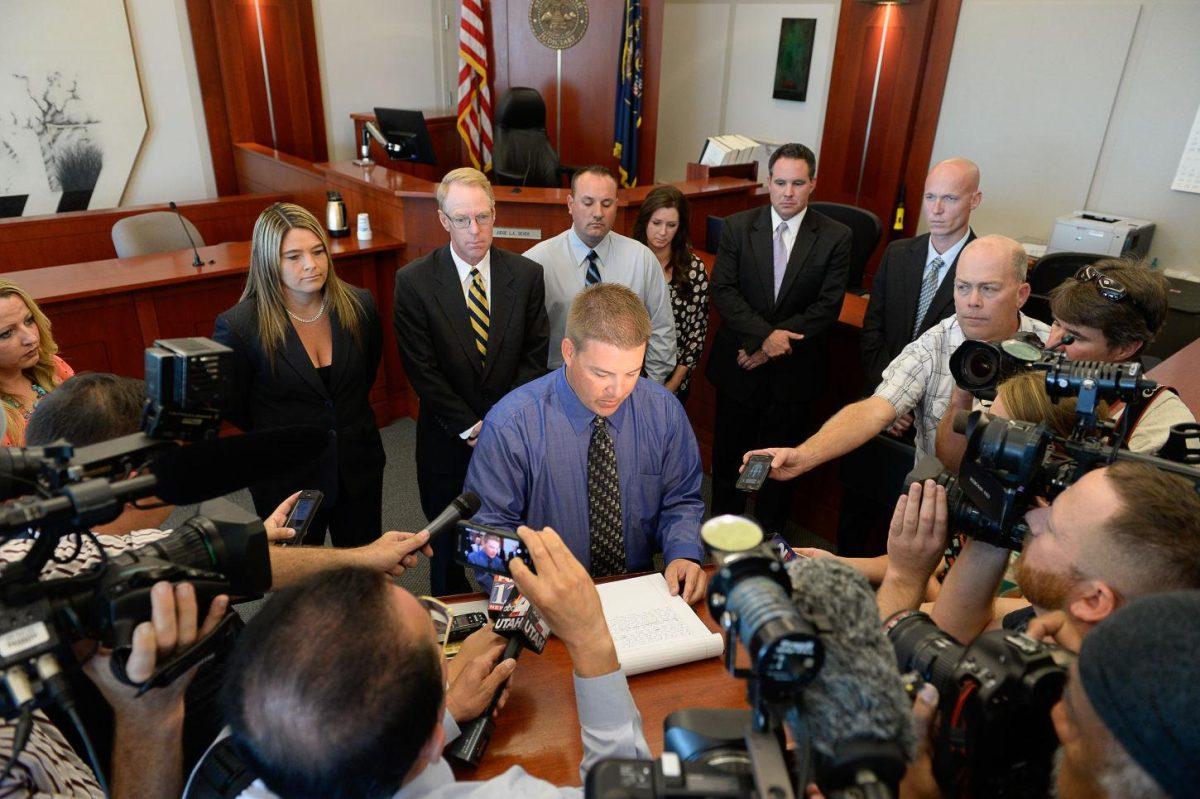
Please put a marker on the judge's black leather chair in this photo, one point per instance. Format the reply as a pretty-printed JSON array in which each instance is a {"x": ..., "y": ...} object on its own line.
[
  {"x": 522, "y": 155},
  {"x": 865, "y": 230},
  {"x": 1046, "y": 275}
]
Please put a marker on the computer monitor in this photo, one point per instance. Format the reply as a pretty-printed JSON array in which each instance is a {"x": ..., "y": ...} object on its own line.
[{"x": 406, "y": 130}]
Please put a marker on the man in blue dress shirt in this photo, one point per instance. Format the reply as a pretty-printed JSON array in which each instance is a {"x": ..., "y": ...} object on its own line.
[
  {"x": 605, "y": 457},
  {"x": 488, "y": 555}
]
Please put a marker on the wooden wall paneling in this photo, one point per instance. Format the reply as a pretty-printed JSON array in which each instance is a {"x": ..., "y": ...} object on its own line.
[
  {"x": 905, "y": 74},
  {"x": 589, "y": 72},
  {"x": 212, "y": 94},
  {"x": 78, "y": 236},
  {"x": 260, "y": 169},
  {"x": 192, "y": 310},
  {"x": 928, "y": 110},
  {"x": 291, "y": 66},
  {"x": 100, "y": 335}
]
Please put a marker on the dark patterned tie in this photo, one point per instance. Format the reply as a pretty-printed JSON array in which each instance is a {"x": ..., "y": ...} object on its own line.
[
  {"x": 929, "y": 287},
  {"x": 593, "y": 273},
  {"x": 604, "y": 503}
]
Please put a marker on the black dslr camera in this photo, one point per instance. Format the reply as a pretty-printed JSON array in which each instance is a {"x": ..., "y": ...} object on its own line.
[
  {"x": 995, "y": 737},
  {"x": 1008, "y": 463},
  {"x": 223, "y": 552}
]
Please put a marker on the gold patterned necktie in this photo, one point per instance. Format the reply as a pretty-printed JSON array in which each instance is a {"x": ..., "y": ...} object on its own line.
[{"x": 477, "y": 310}]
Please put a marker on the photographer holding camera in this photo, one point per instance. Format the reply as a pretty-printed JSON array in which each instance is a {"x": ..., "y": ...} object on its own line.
[
  {"x": 86, "y": 410},
  {"x": 989, "y": 290},
  {"x": 1108, "y": 312},
  {"x": 349, "y": 639},
  {"x": 1115, "y": 534}
]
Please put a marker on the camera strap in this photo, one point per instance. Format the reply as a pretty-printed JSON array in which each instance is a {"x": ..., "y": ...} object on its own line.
[
  {"x": 1138, "y": 410},
  {"x": 200, "y": 652}
]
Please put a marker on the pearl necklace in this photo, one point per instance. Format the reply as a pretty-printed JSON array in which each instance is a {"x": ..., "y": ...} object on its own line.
[{"x": 320, "y": 313}]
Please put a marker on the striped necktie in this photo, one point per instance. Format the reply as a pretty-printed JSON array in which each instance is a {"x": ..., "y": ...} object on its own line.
[
  {"x": 929, "y": 287},
  {"x": 477, "y": 310},
  {"x": 593, "y": 272}
]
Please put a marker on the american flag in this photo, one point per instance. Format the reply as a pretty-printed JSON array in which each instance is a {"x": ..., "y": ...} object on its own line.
[{"x": 474, "y": 97}]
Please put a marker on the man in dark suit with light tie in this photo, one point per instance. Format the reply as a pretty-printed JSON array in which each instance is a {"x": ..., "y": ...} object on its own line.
[
  {"x": 471, "y": 324},
  {"x": 778, "y": 283},
  {"x": 912, "y": 291},
  {"x": 913, "y": 288}
]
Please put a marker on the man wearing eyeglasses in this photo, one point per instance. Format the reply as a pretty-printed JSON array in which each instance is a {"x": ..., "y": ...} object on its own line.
[
  {"x": 1108, "y": 312},
  {"x": 471, "y": 324}
]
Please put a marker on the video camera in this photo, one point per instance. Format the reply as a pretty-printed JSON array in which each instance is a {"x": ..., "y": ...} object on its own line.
[
  {"x": 743, "y": 753},
  {"x": 995, "y": 737},
  {"x": 1008, "y": 463},
  {"x": 223, "y": 552}
]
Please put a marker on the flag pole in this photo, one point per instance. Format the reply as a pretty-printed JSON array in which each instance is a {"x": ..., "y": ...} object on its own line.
[{"x": 558, "y": 103}]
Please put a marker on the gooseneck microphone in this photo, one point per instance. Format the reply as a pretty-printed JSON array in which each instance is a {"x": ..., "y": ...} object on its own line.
[
  {"x": 855, "y": 709},
  {"x": 524, "y": 628},
  {"x": 464, "y": 506},
  {"x": 196, "y": 262}
]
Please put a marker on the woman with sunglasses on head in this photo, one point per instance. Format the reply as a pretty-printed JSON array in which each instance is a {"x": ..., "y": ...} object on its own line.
[
  {"x": 307, "y": 347},
  {"x": 662, "y": 225},
  {"x": 29, "y": 367},
  {"x": 1110, "y": 312}
]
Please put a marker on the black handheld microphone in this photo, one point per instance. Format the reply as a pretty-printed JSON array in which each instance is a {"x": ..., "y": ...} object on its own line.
[
  {"x": 464, "y": 506},
  {"x": 855, "y": 710},
  {"x": 524, "y": 628},
  {"x": 196, "y": 262}
]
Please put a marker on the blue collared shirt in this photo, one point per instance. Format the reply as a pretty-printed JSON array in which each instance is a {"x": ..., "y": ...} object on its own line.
[{"x": 530, "y": 467}]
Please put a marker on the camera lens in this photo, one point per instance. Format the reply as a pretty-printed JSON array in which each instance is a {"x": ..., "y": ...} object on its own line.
[
  {"x": 783, "y": 647},
  {"x": 980, "y": 367},
  {"x": 922, "y": 647}
]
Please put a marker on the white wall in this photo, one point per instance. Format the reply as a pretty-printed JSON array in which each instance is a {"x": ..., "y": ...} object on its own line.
[
  {"x": 392, "y": 59},
  {"x": 1070, "y": 104},
  {"x": 717, "y": 75},
  {"x": 175, "y": 162}
]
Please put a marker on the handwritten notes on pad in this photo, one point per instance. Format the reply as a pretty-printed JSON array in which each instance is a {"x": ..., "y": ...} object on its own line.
[{"x": 651, "y": 628}]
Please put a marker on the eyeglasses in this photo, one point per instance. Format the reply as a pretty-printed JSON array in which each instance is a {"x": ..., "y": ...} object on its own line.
[
  {"x": 464, "y": 222},
  {"x": 442, "y": 617},
  {"x": 1111, "y": 289}
]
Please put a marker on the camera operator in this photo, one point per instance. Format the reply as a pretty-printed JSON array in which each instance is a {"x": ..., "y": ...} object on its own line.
[
  {"x": 1126, "y": 720},
  {"x": 1117, "y": 533},
  {"x": 1108, "y": 312},
  {"x": 147, "y": 750},
  {"x": 349, "y": 640},
  {"x": 95, "y": 407},
  {"x": 88, "y": 409},
  {"x": 989, "y": 290}
]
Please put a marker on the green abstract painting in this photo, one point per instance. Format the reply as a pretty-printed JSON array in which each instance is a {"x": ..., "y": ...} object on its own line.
[{"x": 794, "y": 59}]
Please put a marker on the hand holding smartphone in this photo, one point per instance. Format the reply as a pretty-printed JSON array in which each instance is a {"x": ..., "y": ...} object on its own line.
[
  {"x": 489, "y": 549},
  {"x": 302, "y": 515},
  {"x": 754, "y": 473}
]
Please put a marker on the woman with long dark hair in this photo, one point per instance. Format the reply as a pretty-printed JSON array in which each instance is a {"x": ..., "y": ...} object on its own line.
[
  {"x": 307, "y": 348},
  {"x": 662, "y": 225}
]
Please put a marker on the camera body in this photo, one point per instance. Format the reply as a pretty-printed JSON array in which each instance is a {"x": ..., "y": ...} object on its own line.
[
  {"x": 188, "y": 381},
  {"x": 995, "y": 737}
]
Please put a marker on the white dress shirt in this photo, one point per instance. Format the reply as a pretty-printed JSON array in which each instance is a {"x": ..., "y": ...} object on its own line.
[
  {"x": 948, "y": 257},
  {"x": 793, "y": 227}
]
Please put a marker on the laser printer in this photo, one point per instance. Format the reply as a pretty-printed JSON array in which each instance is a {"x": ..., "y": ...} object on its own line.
[{"x": 1102, "y": 234}]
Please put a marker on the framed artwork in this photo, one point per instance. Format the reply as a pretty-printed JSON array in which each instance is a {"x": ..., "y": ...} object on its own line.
[
  {"x": 72, "y": 118},
  {"x": 794, "y": 60}
]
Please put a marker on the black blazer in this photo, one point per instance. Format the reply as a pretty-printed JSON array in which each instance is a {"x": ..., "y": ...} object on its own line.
[
  {"x": 437, "y": 344},
  {"x": 892, "y": 308},
  {"x": 810, "y": 299},
  {"x": 290, "y": 392}
]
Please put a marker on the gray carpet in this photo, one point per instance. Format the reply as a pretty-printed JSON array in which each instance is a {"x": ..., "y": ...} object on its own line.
[{"x": 402, "y": 506}]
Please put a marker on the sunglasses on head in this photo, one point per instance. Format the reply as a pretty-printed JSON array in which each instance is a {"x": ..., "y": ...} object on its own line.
[{"x": 1111, "y": 289}]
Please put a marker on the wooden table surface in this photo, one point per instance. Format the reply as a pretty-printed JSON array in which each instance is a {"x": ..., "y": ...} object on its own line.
[
  {"x": 539, "y": 728},
  {"x": 1182, "y": 372}
]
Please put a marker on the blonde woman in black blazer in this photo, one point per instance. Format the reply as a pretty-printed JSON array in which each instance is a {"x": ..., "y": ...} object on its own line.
[{"x": 307, "y": 348}]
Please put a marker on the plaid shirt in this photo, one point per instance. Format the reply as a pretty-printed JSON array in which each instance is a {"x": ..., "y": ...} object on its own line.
[
  {"x": 48, "y": 766},
  {"x": 919, "y": 378}
]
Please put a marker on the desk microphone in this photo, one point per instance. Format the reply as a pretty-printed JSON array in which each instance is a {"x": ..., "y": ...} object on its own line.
[
  {"x": 196, "y": 262},
  {"x": 524, "y": 628},
  {"x": 464, "y": 506}
]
